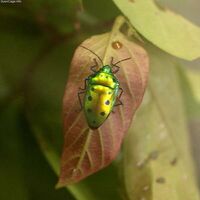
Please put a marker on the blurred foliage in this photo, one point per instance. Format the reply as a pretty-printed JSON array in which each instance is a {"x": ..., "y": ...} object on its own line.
[
  {"x": 190, "y": 81},
  {"x": 165, "y": 163},
  {"x": 37, "y": 40},
  {"x": 164, "y": 28},
  {"x": 24, "y": 174}
]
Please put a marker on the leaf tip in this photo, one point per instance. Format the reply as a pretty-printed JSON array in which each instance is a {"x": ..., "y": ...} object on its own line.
[{"x": 60, "y": 184}]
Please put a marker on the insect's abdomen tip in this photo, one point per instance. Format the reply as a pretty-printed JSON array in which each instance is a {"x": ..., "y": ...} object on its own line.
[{"x": 93, "y": 128}]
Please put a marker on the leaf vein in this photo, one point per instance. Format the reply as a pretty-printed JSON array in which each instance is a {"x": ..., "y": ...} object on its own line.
[{"x": 85, "y": 147}]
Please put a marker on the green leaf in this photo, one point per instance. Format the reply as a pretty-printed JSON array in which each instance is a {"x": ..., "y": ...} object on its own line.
[
  {"x": 4, "y": 88},
  {"x": 12, "y": 182},
  {"x": 23, "y": 164},
  {"x": 54, "y": 16},
  {"x": 167, "y": 30},
  {"x": 190, "y": 81},
  {"x": 95, "y": 8},
  {"x": 24, "y": 49},
  {"x": 193, "y": 77},
  {"x": 157, "y": 163}
]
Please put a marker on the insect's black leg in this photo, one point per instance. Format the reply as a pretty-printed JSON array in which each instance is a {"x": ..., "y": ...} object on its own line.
[
  {"x": 118, "y": 98},
  {"x": 79, "y": 98},
  {"x": 119, "y": 103},
  {"x": 120, "y": 93},
  {"x": 111, "y": 62},
  {"x": 85, "y": 85},
  {"x": 114, "y": 71},
  {"x": 94, "y": 66}
]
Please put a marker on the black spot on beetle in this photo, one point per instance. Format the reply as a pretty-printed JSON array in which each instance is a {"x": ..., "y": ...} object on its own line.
[
  {"x": 89, "y": 98},
  {"x": 107, "y": 102},
  {"x": 114, "y": 80},
  {"x": 106, "y": 76},
  {"x": 102, "y": 113},
  {"x": 89, "y": 110},
  {"x": 109, "y": 92}
]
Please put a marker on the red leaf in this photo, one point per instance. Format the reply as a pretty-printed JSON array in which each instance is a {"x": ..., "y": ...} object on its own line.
[{"x": 87, "y": 151}]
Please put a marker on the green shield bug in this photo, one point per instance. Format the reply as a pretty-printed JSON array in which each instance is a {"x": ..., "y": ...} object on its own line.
[{"x": 101, "y": 92}]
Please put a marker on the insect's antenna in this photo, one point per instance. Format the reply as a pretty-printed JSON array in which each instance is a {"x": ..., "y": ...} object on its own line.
[
  {"x": 93, "y": 53},
  {"x": 122, "y": 60}
]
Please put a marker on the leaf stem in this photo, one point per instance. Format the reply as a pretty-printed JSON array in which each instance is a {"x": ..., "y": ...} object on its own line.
[{"x": 120, "y": 20}]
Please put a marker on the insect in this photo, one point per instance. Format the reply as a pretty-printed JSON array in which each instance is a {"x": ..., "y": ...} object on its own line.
[{"x": 101, "y": 91}]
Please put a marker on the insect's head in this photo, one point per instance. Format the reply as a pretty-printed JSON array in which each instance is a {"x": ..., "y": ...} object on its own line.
[{"x": 106, "y": 69}]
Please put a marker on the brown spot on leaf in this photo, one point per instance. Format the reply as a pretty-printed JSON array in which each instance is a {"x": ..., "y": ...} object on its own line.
[
  {"x": 160, "y": 180},
  {"x": 117, "y": 45},
  {"x": 161, "y": 7},
  {"x": 154, "y": 155},
  {"x": 141, "y": 163},
  {"x": 146, "y": 188},
  {"x": 174, "y": 161}
]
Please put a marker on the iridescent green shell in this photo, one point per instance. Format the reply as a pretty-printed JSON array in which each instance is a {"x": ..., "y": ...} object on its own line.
[{"x": 101, "y": 93}]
